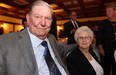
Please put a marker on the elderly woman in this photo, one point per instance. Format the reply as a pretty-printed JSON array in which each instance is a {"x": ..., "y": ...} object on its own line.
[{"x": 82, "y": 60}]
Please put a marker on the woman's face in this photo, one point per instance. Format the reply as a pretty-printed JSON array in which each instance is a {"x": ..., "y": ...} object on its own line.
[{"x": 84, "y": 40}]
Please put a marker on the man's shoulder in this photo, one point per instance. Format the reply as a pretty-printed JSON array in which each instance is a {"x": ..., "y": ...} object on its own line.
[
  {"x": 7, "y": 35},
  {"x": 67, "y": 22},
  {"x": 51, "y": 36},
  {"x": 8, "y": 38},
  {"x": 78, "y": 21},
  {"x": 106, "y": 21}
]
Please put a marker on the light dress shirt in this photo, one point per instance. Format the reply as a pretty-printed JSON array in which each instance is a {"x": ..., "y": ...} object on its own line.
[
  {"x": 97, "y": 67},
  {"x": 115, "y": 55},
  {"x": 39, "y": 52}
]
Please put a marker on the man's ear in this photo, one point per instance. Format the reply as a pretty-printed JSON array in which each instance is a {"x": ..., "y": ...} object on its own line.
[{"x": 27, "y": 18}]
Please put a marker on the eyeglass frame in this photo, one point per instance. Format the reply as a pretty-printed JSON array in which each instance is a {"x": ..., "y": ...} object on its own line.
[{"x": 84, "y": 38}]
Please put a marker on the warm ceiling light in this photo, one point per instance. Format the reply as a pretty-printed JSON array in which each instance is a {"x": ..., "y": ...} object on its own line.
[
  {"x": 53, "y": 5},
  {"x": 5, "y": 5},
  {"x": 21, "y": 2},
  {"x": 59, "y": 10}
]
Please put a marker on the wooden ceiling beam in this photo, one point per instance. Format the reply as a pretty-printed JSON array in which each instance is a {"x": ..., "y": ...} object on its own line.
[
  {"x": 9, "y": 2},
  {"x": 59, "y": 3},
  {"x": 81, "y": 4},
  {"x": 100, "y": 7}
]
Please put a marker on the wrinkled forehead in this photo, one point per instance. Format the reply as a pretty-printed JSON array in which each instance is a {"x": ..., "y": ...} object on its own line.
[
  {"x": 42, "y": 9},
  {"x": 83, "y": 33}
]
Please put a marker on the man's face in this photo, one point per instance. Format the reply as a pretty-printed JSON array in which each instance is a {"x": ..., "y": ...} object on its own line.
[
  {"x": 110, "y": 12},
  {"x": 39, "y": 21},
  {"x": 73, "y": 16}
]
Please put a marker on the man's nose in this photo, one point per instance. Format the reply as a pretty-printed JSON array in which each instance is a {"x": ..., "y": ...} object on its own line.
[{"x": 43, "y": 21}]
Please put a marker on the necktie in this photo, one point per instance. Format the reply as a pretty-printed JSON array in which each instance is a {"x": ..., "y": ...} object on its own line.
[
  {"x": 75, "y": 24},
  {"x": 50, "y": 62}
]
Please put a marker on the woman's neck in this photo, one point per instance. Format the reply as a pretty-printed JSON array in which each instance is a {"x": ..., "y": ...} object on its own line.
[{"x": 87, "y": 54}]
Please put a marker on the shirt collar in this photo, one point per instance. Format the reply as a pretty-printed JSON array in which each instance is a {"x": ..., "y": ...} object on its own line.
[{"x": 35, "y": 41}]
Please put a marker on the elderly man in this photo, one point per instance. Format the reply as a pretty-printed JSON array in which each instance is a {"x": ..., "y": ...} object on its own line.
[{"x": 26, "y": 52}]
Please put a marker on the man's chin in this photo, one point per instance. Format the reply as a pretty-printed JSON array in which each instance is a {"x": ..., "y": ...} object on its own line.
[{"x": 43, "y": 36}]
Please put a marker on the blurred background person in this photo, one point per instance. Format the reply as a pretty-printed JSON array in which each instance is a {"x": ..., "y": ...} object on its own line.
[
  {"x": 106, "y": 40},
  {"x": 95, "y": 29},
  {"x": 82, "y": 60},
  {"x": 1, "y": 30},
  {"x": 53, "y": 29},
  {"x": 70, "y": 27},
  {"x": 24, "y": 23},
  {"x": 95, "y": 48}
]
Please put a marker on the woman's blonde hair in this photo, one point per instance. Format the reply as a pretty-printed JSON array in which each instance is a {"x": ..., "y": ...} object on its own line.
[{"x": 81, "y": 30}]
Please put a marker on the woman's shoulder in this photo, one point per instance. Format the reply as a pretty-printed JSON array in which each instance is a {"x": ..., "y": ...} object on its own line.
[{"x": 74, "y": 52}]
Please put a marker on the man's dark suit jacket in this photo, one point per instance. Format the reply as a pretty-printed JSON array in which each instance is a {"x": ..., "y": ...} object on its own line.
[
  {"x": 106, "y": 36},
  {"x": 68, "y": 26},
  {"x": 77, "y": 63},
  {"x": 17, "y": 55}
]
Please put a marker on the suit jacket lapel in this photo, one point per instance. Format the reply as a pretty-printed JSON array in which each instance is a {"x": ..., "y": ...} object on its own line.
[
  {"x": 71, "y": 24},
  {"x": 27, "y": 51},
  {"x": 56, "y": 51},
  {"x": 54, "y": 46},
  {"x": 79, "y": 58}
]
